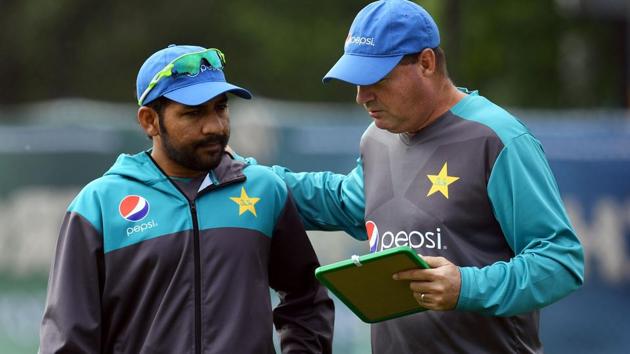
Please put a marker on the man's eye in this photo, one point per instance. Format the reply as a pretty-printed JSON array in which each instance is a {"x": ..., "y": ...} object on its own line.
[
  {"x": 193, "y": 113},
  {"x": 222, "y": 107}
]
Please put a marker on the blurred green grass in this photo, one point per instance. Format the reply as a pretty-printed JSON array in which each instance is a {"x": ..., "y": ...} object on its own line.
[{"x": 21, "y": 305}]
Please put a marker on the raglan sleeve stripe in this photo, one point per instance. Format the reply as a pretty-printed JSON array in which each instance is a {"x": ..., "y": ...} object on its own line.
[
  {"x": 328, "y": 201},
  {"x": 549, "y": 261}
]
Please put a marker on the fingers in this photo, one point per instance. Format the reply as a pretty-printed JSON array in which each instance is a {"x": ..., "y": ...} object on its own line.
[
  {"x": 431, "y": 301},
  {"x": 411, "y": 274},
  {"x": 436, "y": 288},
  {"x": 436, "y": 262},
  {"x": 423, "y": 274},
  {"x": 421, "y": 287},
  {"x": 422, "y": 299}
]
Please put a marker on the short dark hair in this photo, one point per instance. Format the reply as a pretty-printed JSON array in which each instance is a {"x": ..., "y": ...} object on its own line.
[{"x": 440, "y": 60}]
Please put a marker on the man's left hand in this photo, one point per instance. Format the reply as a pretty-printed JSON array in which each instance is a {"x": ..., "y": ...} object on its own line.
[{"x": 436, "y": 288}]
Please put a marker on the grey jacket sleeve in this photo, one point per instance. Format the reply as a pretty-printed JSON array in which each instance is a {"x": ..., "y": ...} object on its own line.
[
  {"x": 304, "y": 318},
  {"x": 72, "y": 315}
]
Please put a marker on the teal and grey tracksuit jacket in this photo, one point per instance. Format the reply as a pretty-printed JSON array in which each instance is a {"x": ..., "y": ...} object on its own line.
[
  {"x": 473, "y": 187},
  {"x": 140, "y": 268}
]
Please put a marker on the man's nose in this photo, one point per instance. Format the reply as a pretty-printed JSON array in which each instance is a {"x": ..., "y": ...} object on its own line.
[
  {"x": 365, "y": 94},
  {"x": 213, "y": 124}
]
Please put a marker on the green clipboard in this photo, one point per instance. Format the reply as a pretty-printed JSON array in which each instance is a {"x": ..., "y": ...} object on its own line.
[{"x": 366, "y": 286}]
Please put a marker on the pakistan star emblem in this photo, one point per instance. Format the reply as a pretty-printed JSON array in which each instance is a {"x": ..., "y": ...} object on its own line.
[
  {"x": 245, "y": 202},
  {"x": 441, "y": 181}
]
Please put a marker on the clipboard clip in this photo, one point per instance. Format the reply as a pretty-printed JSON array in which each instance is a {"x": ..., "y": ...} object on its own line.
[{"x": 355, "y": 259}]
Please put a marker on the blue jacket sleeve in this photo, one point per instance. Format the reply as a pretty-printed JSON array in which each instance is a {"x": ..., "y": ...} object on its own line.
[
  {"x": 328, "y": 201},
  {"x": 549, "y": 261}
]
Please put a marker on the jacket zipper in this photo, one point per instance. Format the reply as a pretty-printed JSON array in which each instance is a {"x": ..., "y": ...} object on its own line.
[
  {"x": 196, "y": 247},
  {"x": 193, "y": 212},
  {"x": 197, "y": 256},
  {"x": 197, "y": 259}
]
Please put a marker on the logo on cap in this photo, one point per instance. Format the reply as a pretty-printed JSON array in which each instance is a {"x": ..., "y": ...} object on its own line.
[
  {"x": 372, "y": 232},
  {"x": 133, "y": 208},
  {"x": 359, "y": 40}
]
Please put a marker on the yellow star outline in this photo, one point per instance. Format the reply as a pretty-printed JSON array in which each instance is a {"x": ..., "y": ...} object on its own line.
[
  {"x": 441, "y": 181},
  {"x": 245, "y": 203}
]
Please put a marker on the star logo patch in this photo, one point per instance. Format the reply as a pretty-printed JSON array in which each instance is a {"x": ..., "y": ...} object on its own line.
[
  {"x": 441, "y": 181},
  {"x": 245, "y": 202}
]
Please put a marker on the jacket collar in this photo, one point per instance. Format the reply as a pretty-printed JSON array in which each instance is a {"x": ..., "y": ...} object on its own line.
[{"x": 141, "y": 167}]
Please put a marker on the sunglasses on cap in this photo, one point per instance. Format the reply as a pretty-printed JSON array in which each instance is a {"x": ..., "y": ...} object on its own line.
[{"x": 189, "y": 63}]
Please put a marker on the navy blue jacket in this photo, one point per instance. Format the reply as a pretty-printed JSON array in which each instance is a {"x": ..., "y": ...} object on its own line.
[{"x": 140, "y": 268}]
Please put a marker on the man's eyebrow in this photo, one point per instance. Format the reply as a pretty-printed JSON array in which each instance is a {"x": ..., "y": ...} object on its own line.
[{"x": 192, "y": 107}]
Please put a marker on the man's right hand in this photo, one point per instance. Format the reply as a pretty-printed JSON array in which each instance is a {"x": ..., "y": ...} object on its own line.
[{"x": 436, "y": 288}]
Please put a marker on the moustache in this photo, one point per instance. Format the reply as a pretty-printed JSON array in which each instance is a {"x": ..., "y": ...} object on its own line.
[{"x": 214, "y": 139}]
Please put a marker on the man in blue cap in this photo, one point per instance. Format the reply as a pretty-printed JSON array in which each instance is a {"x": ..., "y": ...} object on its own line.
[
  {"x": 174, "y": 249},
  {"x": 457, "y": 178}
]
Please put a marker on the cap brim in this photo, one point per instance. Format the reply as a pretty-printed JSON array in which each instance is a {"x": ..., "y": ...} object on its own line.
[
  {"x": 361, "y": 70},
  {"x": 199, "y": 93}
]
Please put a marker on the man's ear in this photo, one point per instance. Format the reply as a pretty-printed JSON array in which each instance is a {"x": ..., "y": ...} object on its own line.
[
  {"x": 149, "y": 121},
  {"x": 428, "y": 61}
]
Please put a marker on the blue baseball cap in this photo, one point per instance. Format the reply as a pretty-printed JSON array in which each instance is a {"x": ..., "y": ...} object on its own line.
[
  {"x": 185, "y": 89},
  {"x": 381, "y": 34}
]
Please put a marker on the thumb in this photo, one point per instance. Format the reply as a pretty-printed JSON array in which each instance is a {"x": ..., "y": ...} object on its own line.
[{"x": 435, "y": 262}]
